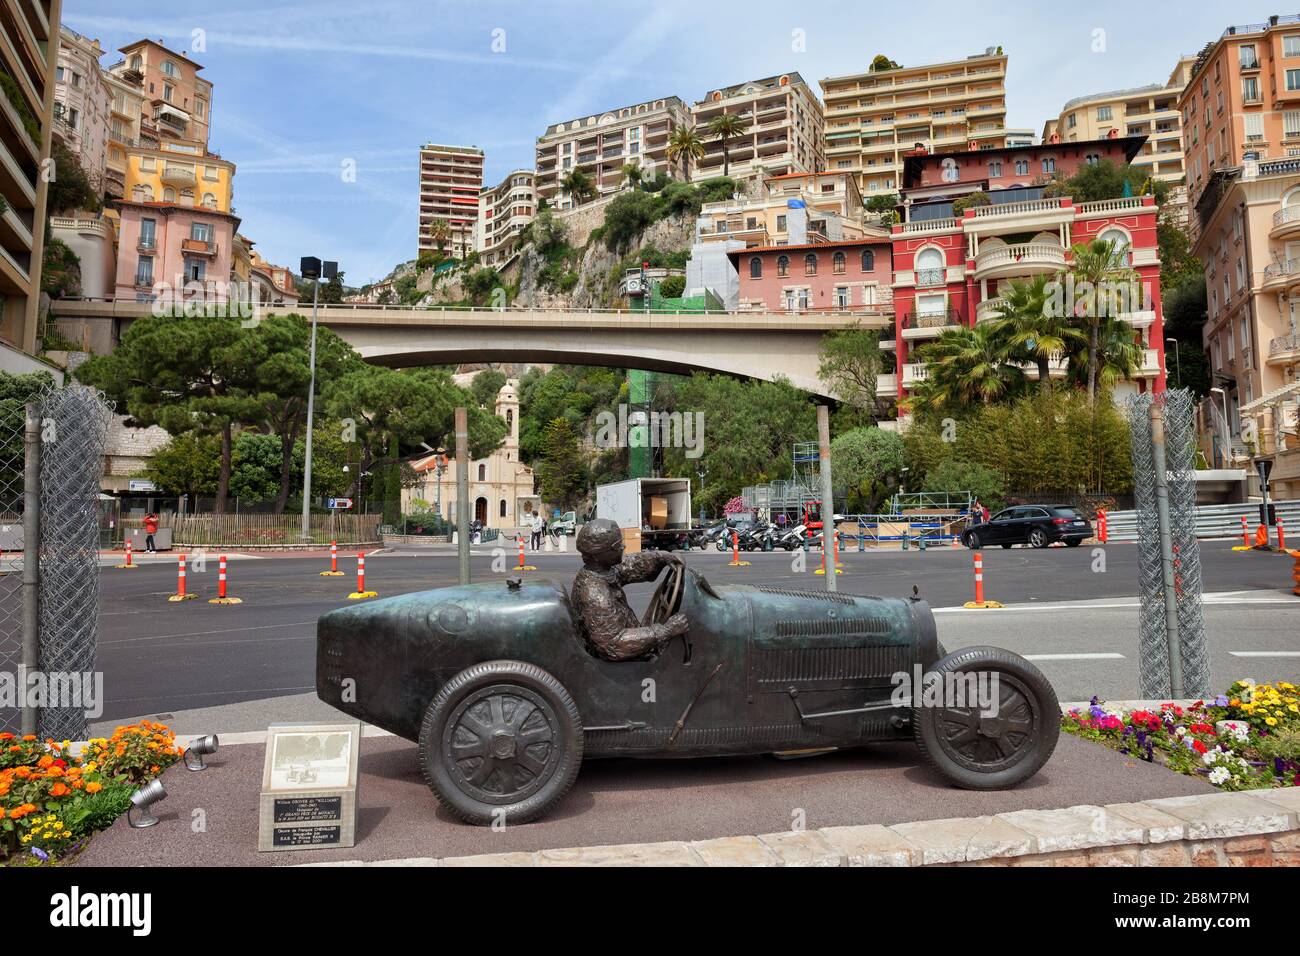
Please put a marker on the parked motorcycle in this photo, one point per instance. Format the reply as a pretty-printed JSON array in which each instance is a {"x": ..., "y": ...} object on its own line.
[{"x": 793, "y": 538}]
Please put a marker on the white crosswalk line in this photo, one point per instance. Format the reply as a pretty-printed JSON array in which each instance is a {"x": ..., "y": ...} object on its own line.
[{"x": 1107, "y": 656}]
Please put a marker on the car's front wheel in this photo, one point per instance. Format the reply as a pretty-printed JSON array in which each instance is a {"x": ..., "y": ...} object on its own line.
[
  {"x": 1002, "y": 737},
  {"x": 1038, "y": 538},
  {"x": 501, "y": 742},
  {"x": 973, "y": 540}
]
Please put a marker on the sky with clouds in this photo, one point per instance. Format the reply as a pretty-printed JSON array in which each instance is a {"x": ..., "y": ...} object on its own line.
[{"x": 302, "y": 88}]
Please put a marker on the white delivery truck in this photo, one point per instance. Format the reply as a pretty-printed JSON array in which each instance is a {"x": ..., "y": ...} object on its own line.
[{"x": 653, "y": 512}]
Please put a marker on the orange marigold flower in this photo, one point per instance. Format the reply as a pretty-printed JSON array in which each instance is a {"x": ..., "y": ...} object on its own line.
[
  {"x": 59, "y": 790},
  {"x": 94, "y": 786},
  {"x": 46, "y": 761},
  {"x": 29, "y": 737}
]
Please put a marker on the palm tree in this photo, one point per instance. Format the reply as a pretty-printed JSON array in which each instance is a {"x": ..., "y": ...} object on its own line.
[
  {"x": 1100, "y": 272},
  {"x": 632, "y": 174},
  {"x": 967, "y": 366},
  {"x": 578, "y": 185},
  {"x": 726, "y": 126},
  {"x": 685, "y": 144},
  {"x": 439, "y": 232},
  {"x": 1118, "y": 352},
  {"x": 1028, "y": 326}
]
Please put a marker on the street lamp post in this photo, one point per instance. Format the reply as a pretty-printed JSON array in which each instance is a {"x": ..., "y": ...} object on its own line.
[
  {"x": 439, "y": 468},
  {"x": 312, "y": 268}
]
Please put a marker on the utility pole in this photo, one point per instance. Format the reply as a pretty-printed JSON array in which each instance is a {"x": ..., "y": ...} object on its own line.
[
  {"x": 312, "y": 268},
  {"x": 462, "y": 493},
  {"x": 828, "y": 502},
  {"x": 1166, "y": 549}
]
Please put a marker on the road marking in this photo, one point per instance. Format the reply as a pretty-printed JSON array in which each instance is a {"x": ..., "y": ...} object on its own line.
[
  {"x": 1075, "y": 657},
  {"x": 1265, "y": 653}
]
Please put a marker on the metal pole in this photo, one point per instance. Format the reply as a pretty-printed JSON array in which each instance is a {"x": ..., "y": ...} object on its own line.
[
  {"x": 828, "y": 502},
  {"x": 311, "y": 410},
  {"x": 462, "y": 493},
  {"x": 31, "y": 557},
  {"x": 1263, "y": 490},
  {"x": 1166, "y": 549}
]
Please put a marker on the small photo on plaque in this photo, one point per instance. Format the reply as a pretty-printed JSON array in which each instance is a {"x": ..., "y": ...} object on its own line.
[
  {"x": 309, "y": 787},
  {"x": 311, "y": 761}
]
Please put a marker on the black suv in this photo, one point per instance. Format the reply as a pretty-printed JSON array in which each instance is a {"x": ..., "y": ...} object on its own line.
[{"x": 1037, "y": 525}]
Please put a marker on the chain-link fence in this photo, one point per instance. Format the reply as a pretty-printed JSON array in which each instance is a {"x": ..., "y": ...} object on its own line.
[
  {"x": 1176, "y": 545},
  {"x": 53, "y": 602}
]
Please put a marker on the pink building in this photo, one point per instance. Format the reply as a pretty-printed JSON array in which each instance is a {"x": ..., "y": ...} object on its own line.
[
  {"x": 171, "y": 252},
  {"x": 847, "y": 276},
  {"x": 951, "y": 270}
]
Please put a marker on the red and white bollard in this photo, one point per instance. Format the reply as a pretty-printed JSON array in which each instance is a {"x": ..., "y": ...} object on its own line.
[
  {"x": 361, "y": 591},
  {"x": 334, "y": 571},
  {"x": 523, "y": 565},
  {"x": 735, "y": 552},
  {"x": 128, "y": 565},
  {"x": 1281, "y": 535},
  {"x": 1103, "y": 533},
  {"x": 181, "y": 594},
  {"x": 222, "y": 597},
  {"x": 979, "y": 602},
  {"x": 1245, "y": 532}
]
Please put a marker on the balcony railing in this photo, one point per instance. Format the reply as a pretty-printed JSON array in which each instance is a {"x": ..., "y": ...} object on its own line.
[
  {"x": 1282, "y": 270},
  {"x": 143, "y": 281},
  {"x": 990, "y": 309},
  {"x": 925, "y": 278},
  {"x": 931, "y": 320},
  {"x": 915, "y": 372},
  {"x": 1018, "y": 208},
  {"x": 203, "y": 247},
  {"x": 1034, "y": 255},
  {"x": 146, "y": 245},
  {"x": 1284, "y": 343},
  {"x": 1284, "y": 216}
]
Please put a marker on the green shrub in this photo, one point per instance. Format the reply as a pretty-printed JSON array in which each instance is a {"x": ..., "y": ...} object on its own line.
[
  {"x": 955, "y": 475},
  {"x": 672, "y": 287},
  {"x": 970, "y": 201}
]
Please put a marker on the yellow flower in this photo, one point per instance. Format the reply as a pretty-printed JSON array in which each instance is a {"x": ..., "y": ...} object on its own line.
[{"x": 1271, "y": 721}]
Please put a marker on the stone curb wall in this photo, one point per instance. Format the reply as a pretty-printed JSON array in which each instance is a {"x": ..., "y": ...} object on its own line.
[{"x": 1253, "y": 828}]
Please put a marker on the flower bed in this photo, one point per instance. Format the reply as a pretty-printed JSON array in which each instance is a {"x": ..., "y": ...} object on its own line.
[
  {"x": 51, "y": 801},
  {"x": 1246, "y": 739}
]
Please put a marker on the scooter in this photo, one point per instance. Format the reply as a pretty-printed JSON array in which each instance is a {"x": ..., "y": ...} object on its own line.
[
  {"x": 759, "y": 538},
  {"x": 793, "y": 538}
]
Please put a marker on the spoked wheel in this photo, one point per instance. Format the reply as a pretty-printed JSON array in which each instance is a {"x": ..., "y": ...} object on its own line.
[
  {"x": 502, "y": 741},
  {"x": 1038, "y": 538},
  {"x": 973, "y": 540},
  {"x": 991, "y": 747}
]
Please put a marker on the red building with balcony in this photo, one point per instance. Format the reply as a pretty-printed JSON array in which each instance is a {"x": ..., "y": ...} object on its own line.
[
  {"x": 950, "y": 270},
  {"x": 847, "y": 276}
]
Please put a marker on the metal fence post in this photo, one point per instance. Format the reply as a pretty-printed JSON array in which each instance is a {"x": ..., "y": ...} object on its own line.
[
  {"x": 462, "y": 493},
  {"x": 828, "y": 502},
  {"x": 31, "y": 558}
]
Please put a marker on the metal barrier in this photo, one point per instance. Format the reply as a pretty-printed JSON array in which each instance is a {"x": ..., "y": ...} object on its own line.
[
  {"x": 875, "y": 529},
  {"x": 1212, "y": 521}
]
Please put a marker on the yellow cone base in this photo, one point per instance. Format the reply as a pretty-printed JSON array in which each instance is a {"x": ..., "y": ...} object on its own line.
[
  {"x": 1243, "y": 547},
  {"x": 362, "y": 595},
  {"x": 331, "y": 574},
  {"x": 823, "y": 571},
  {"x": 225, "y": 600},
  {"x": 981, "y": 605},
  {"x": 127, "y": 567},
  {"x": 737, "y": 564},
  {"x": 523, "y": 567},
  {"x": 181, "y": 597}
]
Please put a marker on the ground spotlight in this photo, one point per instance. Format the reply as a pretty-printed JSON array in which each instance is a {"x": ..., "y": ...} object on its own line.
[
  {"x": 193, "y": 756},
  {"x": 143, "y": 800}
]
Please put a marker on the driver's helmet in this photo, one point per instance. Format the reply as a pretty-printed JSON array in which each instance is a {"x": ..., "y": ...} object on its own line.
[{"x": 599, "y": 535}]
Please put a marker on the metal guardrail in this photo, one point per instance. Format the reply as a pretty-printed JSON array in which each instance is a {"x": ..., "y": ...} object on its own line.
[{"x": 1212, "y": 521}]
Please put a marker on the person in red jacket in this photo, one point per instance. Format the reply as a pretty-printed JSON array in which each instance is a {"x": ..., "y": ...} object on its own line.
[{"x": 150, "y": 529}]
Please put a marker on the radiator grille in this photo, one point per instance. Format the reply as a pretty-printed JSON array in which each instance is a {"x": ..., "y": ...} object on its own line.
[
  {"x": 781, "y": 667},
  {"x": 828, "y": 596}
]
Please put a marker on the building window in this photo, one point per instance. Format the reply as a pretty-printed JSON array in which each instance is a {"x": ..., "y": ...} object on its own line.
[
  {"x": 199, "y": 108},
  {"x": 1103, "y": 114},
  {"x": 167, "y": 92},
  {"x": 169, "y": 68},
  {"x": 148, "y": 229},
  {"x": 810, "y": 264},
  {"x": 1291, "y": 45},
  {"x": 756, "y": 268},
  {"x": 1293, "y": 80},
  {"x": 1072, "y": 122},
  {"x": 144, "y": 271},
  {"x": 868, "y": 260},
  {"x": 1119, "y": 244},
  {"x": 841, "y": 297},
  {"x": 137, "y": 62},
  {"x": 1254, "y": 125},
  {"x": 1049, "y": 164},
  {"x": 1246, "y": 56},
  {"x": 503, "y": 508},
  {"x": 1250, "y": 89},
  {"x": 837, "y": 263},
  {"x": 195, "y": 270},
  {"x": 201, "y": 231},
  {"x": 1092, "y": 159},
  {"x": 482, "y": 471},
  {"x": 783, "y": 265},
  {"x": 780, "y": 223},
  {"x": 169, "y": 194}
]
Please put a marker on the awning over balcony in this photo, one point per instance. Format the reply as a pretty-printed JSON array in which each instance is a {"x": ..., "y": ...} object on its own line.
[{"x": 1273, "y": 397}]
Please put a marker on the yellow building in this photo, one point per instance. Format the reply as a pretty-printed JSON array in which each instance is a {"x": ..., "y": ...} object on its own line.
[
  {"x": 1150, "y": 111},
  {"x": 179, "y": 172},
  {"x": 873, "y": 118}
]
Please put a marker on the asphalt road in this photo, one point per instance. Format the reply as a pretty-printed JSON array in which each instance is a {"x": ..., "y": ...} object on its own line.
[{"x": 159, "y": 657}]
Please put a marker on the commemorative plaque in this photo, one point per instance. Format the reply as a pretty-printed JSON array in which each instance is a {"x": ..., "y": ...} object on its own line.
[{"x": 309, "y": 787}]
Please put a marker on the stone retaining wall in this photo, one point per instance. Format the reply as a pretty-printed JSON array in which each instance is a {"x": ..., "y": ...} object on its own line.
[{"x": 1255, "y": 828}]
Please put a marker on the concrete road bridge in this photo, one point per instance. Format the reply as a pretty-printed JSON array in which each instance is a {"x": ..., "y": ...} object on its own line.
[{"x": 759, "y": 345}]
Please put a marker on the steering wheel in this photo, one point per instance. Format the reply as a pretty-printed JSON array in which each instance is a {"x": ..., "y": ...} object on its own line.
[{"x": 667, "y": 596}]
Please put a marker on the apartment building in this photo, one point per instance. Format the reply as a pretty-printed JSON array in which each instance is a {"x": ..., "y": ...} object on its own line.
[
  {"x": 176, "y": 225},
  {"x": 874, "y": 118},
  {"x": 178, "y": 102},
  {"x": 503, "y": 210},
  {"x": 1249, "y": 243},
  {"x": 833, "y": 205},
  {"x": 82, "y": 101},
  {"x": 28, "y": 53},
  {"x": 782, "y": 129},
  {"x": 848, "y": 276},
  {"x": 450, "y": 180},
  {"x": 951, "y": 270},
  {"x": 603, "y": 143},
  {"x": 1150, "y": 111},
  {"x": 129, "y": 124}
]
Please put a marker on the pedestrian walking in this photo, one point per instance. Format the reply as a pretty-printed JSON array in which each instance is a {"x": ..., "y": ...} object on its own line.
[
  {"x": 537, "y": 531},
  {"x": 150, "y": 529}
]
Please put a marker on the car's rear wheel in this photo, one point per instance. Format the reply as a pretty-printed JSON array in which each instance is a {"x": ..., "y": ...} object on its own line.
[
  {"x": 973, "y": 540},
  {"x": 501, "y": 742},
  {"x": 1038, "y": 538},
  {"x": 1001, "y": 740}
]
